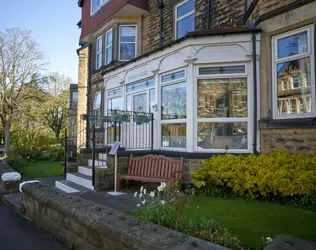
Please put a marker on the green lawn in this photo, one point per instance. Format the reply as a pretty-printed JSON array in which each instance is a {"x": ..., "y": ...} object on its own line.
[
  {"x": 43, "y": 169},
  {"x": 250, "y": 220}
]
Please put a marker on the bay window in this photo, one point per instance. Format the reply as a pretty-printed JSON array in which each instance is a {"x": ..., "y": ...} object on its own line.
[
  {"x": 108, "y": 46},
  {"x": 222, "y": 108},
  {"x": 185, "y": 18},
  {"x": 115, "y": 99},
  {"x": 127, "y": 42},
  {"x": 99, "y": 53},
  {"x": 173, "y": 110},
  {"x": 293, "y": 77}
]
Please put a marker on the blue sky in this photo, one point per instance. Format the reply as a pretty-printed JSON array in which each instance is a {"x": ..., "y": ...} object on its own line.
[{"x": 53, "y": 26}]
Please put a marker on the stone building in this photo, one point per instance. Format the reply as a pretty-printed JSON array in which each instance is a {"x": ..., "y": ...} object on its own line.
[{"x": 210, "y": 76}]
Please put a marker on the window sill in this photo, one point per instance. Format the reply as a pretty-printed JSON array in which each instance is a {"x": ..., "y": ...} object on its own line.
[{"x": 288, "y": 123}]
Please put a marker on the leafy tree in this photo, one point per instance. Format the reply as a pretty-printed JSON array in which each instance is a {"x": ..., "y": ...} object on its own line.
[
  {"x": 21, "y": 59},
  {"x": 54, "y": 110}
]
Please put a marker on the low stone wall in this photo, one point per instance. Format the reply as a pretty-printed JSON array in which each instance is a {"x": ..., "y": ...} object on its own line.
[
  {"x": 84, "y": 225},
  {"x": 7, "y": 187}
]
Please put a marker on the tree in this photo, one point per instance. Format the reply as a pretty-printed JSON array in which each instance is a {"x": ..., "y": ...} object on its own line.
[
  {"x": 54, "y": 111},
  {"x": 21, "y": 59}
]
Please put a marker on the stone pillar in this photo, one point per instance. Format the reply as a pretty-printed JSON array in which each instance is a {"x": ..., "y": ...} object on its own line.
[{"x": 83, "y": 73}]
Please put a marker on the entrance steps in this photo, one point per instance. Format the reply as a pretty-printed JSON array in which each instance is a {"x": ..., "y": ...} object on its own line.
[{"x": 81, "y": 181}]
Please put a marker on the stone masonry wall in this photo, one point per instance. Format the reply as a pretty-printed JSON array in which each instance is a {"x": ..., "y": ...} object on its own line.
[
  {"x": 85, "y": 225},
  {"x": 297, "y": 140},
  {"x": 264, "y": 7},
  {"x": 83, "y": 72},
  {"x": 223, "y": 13}
]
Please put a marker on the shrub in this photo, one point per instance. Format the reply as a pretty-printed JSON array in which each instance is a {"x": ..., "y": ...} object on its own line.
[
  {"x": 55, "y": 152},
  {"x": 275, "y": 176},
  {"x": 18, "y": 163}
]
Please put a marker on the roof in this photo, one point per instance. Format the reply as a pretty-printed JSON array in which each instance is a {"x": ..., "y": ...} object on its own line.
[{"x": 209, "y": 32}]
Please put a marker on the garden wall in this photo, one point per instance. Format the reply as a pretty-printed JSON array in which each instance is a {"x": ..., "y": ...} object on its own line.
[
  {"x": 85, "y": 225},
  {"x": 7, "y": 187}
]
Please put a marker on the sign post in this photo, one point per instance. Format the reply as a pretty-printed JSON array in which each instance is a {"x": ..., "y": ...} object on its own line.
[{"x": 113, "y": 151}]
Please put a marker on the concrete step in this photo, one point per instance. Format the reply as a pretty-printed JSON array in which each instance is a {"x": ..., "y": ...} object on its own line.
[
  {"x": 13, "y": 201},
  {"x": 69, "y": 187},
  {"x": 97, "y": 163},
  {"x": 87, "y": 170},
  {"x": 102, "y": 157},
  {"x": 80, "y": 179}
]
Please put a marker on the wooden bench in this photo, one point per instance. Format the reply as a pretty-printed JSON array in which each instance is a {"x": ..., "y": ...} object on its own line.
[{"x": 153, "y": 168}]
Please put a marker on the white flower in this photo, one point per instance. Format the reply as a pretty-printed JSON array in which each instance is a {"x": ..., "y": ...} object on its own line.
[
  {"x": 135, "y": 194},
  {"x": 172, "y": 199},
  {"x": 140, "y": 195},
  {"x": 138, "y": 205},
  {"x": 141, "y": 189},
  {"x": 162, "y": 202},
  {"x": 159, "y": 188},
  {"x": 269, "y": 239},
  {"x": 143, "y": 202},
  {"x": 152, "y": 194},
  {"x": 163, "y": 185},
  {"x": 145, "y": 190}
]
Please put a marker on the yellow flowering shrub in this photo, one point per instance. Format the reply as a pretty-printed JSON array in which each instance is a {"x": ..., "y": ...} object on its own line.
[{"x": 278, "y": 174}]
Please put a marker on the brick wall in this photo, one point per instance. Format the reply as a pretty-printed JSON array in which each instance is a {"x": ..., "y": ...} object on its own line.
[{"x": 296, "y": 140}]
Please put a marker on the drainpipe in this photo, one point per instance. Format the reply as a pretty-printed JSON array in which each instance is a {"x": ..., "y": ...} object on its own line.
[
  {"x": 208, "y": 14},
  {"x": 255, "y": 98},
  {"x": 160, "y": 5}
]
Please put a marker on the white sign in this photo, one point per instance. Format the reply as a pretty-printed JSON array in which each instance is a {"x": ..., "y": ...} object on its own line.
[{"x": 137, "y": 76}]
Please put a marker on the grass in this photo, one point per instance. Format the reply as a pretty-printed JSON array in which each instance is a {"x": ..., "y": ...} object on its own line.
[
  {"x": 250, "y": 220},
  {"x": 42, "y": 169}
]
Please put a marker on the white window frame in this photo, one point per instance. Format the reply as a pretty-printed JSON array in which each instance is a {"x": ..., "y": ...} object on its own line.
[
  {"x": 224, "y": 119},
  {"x": 172, "y": 121},
  {"x": 182, "y": 17},
  {"x": 108, "y": 46},
  {"x": 97, "y": 52},
  {"x": 119, "y": 35},
  {"x": 102, "y": 2},
  {"x": 112, "y": 97},
  {"x": 138, "y": 92},
  {"x": 310, "y": 53}
]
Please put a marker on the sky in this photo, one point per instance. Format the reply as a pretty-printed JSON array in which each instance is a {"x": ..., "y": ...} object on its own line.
[{"x": 53, "y": 26}]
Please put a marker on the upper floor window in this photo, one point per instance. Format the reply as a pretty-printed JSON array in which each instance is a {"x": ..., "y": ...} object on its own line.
[
  {"x": 74, "y": 99},
  {"x": 127, "y": 40},
  {"x": 108, "y": 46},
  {"x": 99, "y": 53},
  {"x": 185, "y": 18},
  {"x": 294, "y": 80},
  {"x": 96, "y": 5}
]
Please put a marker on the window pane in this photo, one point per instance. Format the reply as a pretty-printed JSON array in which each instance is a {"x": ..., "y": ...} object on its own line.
[
  {"x": 222, "y": 135},
  {"x": 127, "y": 51},
  {"x": 115, "y": 103},
  {"x": 108, "y": 55},
  {"x": 151, "y": 99},
  {"x": 173, "y": 76},
  {"x": 222, "y": 70},
  {"x": 74, "y": 100},
  {"x": 109, "y": 38},
  {"x": 174, "y": 135},
  {"x": 293, "y": 45},
  {"x": 114, "y": 92},
  {"x": 97, "y": 100},
  {"x": 294, "y": 87},
  {"x": 127, "y": 34},
  {"x": 99, "y": 60},
  {"x": 225, "y": 97},
  {"x": 185, "y": 25},
  {"x": 173, "y": 101},
  {"x": 140, "y": 103},
  {"x": 99, "y": 44},
  {"x": 95, "y": 5},
  {"x": 128, "y": 103},
  {"x": 140, "y": 85},
  {"x": 185, "y": 8}
]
